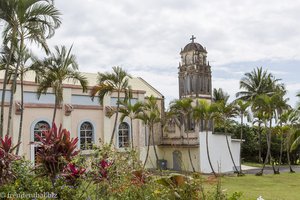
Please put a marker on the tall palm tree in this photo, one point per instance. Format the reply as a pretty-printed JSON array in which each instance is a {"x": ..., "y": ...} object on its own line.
[
  {"x": 258, "y": 82},
  {"x": 241, "y": 108},
  {"x": 130, "y": 110},
  {"x": 224, "y": 114},
  {"x": 267, "y": 105},
  {"x": 32, "y": 20},
  {"x": 290, "y": 118},
  {"x": 184, "y": 109},
  {"x": 24, "y": 68},
  {"x": 145, "y": 119},
  {"x": 287, "y": 129},
  {"x": 150, "y": 116},
  {"x": 117, "y": 81},
  {"x": 206, "y": 111},
  {"x": 60, "y": 66}
]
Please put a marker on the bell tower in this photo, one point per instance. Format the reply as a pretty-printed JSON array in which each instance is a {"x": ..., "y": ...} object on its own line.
[{"x": 194, "y": 72}]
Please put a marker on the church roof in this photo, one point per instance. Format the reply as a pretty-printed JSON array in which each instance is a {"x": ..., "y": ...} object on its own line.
[{"x": 193, "y": 46}]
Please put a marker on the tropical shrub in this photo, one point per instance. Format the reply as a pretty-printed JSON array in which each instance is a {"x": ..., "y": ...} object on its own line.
[
  {"x": 72, "y": 174},
  {"x": 55, "y": 150},
  {"x": 6, "y": 160}
]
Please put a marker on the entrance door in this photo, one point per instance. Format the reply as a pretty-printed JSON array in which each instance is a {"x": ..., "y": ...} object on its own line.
[{"x": 177, "y": 160}]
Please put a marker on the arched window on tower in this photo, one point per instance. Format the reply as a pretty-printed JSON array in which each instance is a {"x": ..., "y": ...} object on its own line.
[
  {"x": 208, "y": 85},
  {"x": 188, "y": 86},
  {"x": 86, "y": 136},
  {"x": 123, "y": 136},
  {"x": 191, "y": 84}
]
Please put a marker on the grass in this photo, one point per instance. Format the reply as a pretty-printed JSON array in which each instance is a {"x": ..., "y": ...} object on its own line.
[{"x": 284, "y": 186}]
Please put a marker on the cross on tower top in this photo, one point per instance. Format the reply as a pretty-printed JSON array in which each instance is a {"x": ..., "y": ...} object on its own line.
[{"x": 193, "y": 38}]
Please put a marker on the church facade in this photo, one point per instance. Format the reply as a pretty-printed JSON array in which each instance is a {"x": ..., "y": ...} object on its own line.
[
  {"x": 92, "y": 124},
  {"x": 84, "y": 118}
]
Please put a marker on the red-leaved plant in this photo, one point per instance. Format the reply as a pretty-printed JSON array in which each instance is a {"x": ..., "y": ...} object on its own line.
[
  {"x": 55, "y": 150},
  {"x": 103, "y": 169},
  {"x": 72, "y": 173},
  {"x": 6, "y": 159}
]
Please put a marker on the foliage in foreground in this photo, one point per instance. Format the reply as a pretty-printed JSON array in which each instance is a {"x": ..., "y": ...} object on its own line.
[{"x": 104, "y": 174}]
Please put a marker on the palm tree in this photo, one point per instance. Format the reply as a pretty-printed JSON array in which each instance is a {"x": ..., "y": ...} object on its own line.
[
  {"x": 183, "y": 108},
  {"x": 131, "y": 111},
  {"x": 150, "y": 116},
  {"x": 60, "y": 66},
  {"x": 267, "y": 105},
  {"x": 290, "y": 119},
  {"x": 23, "y": 69},
  {"x": 206, "y": 111},
  {"x": 117, "y": 81},
  {"x": 258, "y": 82},
  {"x": 224, "y": 114},
  {"x": 220, "y": 95},
  {"x": 145, "y": 119},
  {"x": 241, "y": 108},
  {"x": 32, "y": 20}
]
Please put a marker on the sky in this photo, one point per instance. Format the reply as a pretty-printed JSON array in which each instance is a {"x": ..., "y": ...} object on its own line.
[{"x": 145, "y": 38}]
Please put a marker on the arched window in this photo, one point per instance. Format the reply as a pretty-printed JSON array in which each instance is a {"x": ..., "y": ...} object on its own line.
[
  {"x": 38, "y": 129},
  {"x": 123, "y": 137},
  {"x": 86, "y": 136}
]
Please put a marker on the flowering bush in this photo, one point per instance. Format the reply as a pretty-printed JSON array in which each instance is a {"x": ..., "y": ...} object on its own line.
[{"x": 6, "y": 159}]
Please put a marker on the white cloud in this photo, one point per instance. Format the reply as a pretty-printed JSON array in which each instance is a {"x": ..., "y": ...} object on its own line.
[{"x": 145, "y": 37}]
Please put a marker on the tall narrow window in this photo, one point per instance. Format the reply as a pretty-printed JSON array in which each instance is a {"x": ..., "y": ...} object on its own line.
[
  {"x": 123, "y": 135},
  {"x": 86, "y": 136},
  {"x": 39, "y": 129}
]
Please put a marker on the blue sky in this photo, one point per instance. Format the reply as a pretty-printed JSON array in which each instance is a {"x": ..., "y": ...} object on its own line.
[{"x": 145, "y": 38}]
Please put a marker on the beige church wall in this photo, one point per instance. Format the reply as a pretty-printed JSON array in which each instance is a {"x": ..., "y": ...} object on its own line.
[
  {"x": 166, "y": 153},
  {"x": 94, "y": 116},
  {"x": 151, "y": 162},
  {"x": 31, "y": 117}
]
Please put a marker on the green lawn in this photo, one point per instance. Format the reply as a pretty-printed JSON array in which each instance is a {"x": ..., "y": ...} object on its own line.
[{"x": 284, "y": 186}]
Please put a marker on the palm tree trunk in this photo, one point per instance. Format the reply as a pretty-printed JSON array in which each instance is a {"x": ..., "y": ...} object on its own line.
[
  {"x": 241, "y": 141},
  {"x": 289, "y": 161},
  {"x": 259, "y": 144},
  {"x": 22, "y": 113},
  {"x": 13, "y": 89},
  {"x": 116, "y": 120},
  {"x": 268, "y": 150},
  {"x": 154, "y": 147},
  {"x": 148, "y": 148},
  {"x": 189, "y": 152},
  {"x": 280, "y": 154},
  {"x": 55, "y": 109},
  {"x": 230, "y": 153},
  {"x": 207, "y": 150},
  {"x": 281, "y": 149},
  {"x": 131, "y": 133},
  {"x": 5, "y": 83}
]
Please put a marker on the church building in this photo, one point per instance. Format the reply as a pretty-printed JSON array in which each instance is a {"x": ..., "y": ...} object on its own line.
[{"x": 93, "y": 125}]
